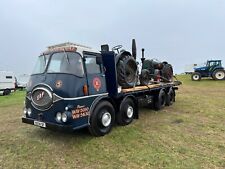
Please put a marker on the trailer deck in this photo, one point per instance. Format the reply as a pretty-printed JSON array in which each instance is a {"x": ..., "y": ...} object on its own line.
[{"x": 147, "y": 87}]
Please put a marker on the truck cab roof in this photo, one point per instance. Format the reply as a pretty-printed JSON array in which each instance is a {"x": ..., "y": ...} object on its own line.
[{"x": 68, "y": 47}]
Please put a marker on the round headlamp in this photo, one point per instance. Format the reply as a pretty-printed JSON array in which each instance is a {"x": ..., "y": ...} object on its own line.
[
  {"x": 25, "y": 111},
  {"x": 64, "y": 117},
  {"x": 29, "y": 112},
  {"x": 58, "y": 117}
]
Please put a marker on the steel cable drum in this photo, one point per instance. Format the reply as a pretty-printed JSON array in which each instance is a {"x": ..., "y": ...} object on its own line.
[{"x": 126, "y": 70}]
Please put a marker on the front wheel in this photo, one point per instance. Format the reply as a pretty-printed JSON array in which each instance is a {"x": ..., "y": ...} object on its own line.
[
  {"x": 102, "y": 119},
  {"x": 218, "y": 74},
  {"x": 196, "y": 76},
  {"x": 126, "y": 113}
]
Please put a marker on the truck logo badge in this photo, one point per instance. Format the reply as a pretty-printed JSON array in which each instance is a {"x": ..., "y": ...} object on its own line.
[
  {"x": 58, "y": 84},
  {"x": 40, "y": 96},
  {"x": 97, "y": 83}
]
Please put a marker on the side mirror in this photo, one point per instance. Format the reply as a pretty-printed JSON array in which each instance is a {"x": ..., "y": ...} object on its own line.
[
  {"x": 99, "y": 60},
  {"x": 105, "y": 48}
]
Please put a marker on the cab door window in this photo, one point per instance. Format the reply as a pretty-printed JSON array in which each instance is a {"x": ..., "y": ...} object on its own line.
[{"x": 92, "y": 66}]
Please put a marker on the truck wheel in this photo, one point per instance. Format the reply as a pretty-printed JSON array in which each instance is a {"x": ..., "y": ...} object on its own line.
[
  {"x": 218, "y": 74},
  {"x": 126, "y": 113},
  {"x": 160, "y": 100},
  {"x": 126, "y": 71},
  {"x": 6, "y": 92},
  {"x": 170, "y": 97},
  {"x": 196, "y": 76},
  {"x": 102, "y": 119}
]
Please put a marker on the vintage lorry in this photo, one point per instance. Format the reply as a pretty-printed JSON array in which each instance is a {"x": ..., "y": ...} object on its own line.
[{"x": 74, "y": 86}]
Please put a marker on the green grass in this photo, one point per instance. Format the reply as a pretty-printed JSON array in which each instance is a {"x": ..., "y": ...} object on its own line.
[
  {"x": 15, "y": 98},
  {"x": 188, "y": 134}
]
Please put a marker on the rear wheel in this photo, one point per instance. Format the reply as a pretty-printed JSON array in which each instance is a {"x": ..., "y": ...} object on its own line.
[
  {"x": 126, "y": 71},
  {"x": 167, "y": 72},
  {"x": 160, "y": 100},
  {"x": 170, "y": 97},
  {"x": 196, "y": 76},
  {"x": 218, "y": 74},
  {"x": 102, "y": 119},
  {"x": 126, "y": 113}
]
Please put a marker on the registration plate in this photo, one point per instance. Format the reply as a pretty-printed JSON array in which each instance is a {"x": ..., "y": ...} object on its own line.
[{"x": 40, "y": 124}]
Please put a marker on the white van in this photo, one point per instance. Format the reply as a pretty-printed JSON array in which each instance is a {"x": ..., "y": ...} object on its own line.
[
  {"x": 7, "y": 82},
  {"x": 22, "y": 81}
]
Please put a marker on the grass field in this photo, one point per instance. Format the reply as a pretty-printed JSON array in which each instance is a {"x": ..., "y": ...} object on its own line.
[{"x": 189, "y": 134}]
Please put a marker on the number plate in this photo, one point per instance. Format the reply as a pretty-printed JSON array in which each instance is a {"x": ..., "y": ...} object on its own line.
[{"x": 40, "y": 124}]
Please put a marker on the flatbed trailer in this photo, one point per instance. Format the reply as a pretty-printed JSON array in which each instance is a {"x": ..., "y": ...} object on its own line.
[{"x": 65, "y": 98}]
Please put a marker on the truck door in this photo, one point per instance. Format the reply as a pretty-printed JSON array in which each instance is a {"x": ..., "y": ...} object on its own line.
[{"x": 95, "y": 74}]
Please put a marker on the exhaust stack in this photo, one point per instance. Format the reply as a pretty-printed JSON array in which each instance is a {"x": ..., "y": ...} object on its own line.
[
  {"x": 134, "y": 49},
  {"x": 143, "y": 55}
]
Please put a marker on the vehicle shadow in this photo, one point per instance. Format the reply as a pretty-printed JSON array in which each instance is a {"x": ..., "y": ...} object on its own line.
[{"x": 59, "y": 137}]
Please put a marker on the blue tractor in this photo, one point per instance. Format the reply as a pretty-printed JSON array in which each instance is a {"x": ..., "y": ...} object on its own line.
[{"x": 213, "y": 68}]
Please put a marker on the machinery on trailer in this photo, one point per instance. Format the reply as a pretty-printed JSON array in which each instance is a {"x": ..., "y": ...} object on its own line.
[
  {"x": 74, "y": 86},
  {"x": 155, "y": 70},
  {"x": 213, "y": 68}
]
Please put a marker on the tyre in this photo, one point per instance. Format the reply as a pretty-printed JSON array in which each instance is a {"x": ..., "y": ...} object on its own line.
[
  {"x": 6, "y": 92},
  {"x": 167, "y": 72},
  {"x": 218, "y": 74},
  {"x": 160, "y": 100},
  {"x": 102, "y": 119},
  {"x": 196, "y": 76},
  {"x": 126, "y": 112},
  {"x": 170, "y": 97},
  {"x": 126, "y": 71}
]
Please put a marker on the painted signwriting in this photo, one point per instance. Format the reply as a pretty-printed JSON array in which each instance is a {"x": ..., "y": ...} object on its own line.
[{"x": 80, "y": 111}]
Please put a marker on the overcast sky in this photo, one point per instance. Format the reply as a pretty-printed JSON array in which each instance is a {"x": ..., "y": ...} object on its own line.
[{"x": 181, "y": 32}]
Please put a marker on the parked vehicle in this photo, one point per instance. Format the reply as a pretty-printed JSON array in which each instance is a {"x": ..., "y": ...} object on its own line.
[
  {"x": 74, "y": 86},
  {"x": 22, "y": 80},
  {"x": 7, "y": 82},
  {"x": 213, "y": 68}
]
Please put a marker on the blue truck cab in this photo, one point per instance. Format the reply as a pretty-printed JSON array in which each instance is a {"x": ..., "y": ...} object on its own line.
[{"x": 73, "y": 86}]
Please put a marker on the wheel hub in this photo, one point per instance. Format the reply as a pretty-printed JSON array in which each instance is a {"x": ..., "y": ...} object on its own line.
[
  {"x": 106, "y": 119},
  {"x": 195, "y": 77},
  {"x": 130, "y": 111},
  {"x": 220, "y": 75}
]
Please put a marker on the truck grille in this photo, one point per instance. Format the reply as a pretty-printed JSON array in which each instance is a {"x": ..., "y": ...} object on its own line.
[{"x": 41, "y": 98}]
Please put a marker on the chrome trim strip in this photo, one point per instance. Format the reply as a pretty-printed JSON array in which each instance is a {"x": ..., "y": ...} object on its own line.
[
  {"x": 43, "y": 85},
  {"x": 77, "y": 98}
]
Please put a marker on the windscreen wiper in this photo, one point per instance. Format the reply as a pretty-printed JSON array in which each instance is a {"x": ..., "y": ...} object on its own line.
[
  {"x": 67, "y": 58},
  {"x": 45, "y": 60}
]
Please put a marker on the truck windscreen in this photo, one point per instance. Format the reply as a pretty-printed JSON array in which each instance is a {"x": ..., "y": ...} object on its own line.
[
  {"x": 41, "y": 64},
  {"x": 66, "y": 62}
]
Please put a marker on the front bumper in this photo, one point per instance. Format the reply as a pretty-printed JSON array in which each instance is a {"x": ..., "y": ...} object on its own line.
[{"x": 52, "y": 126}]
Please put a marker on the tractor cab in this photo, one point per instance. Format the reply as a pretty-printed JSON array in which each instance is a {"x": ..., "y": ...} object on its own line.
[{"x": 212, "y": 64}]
